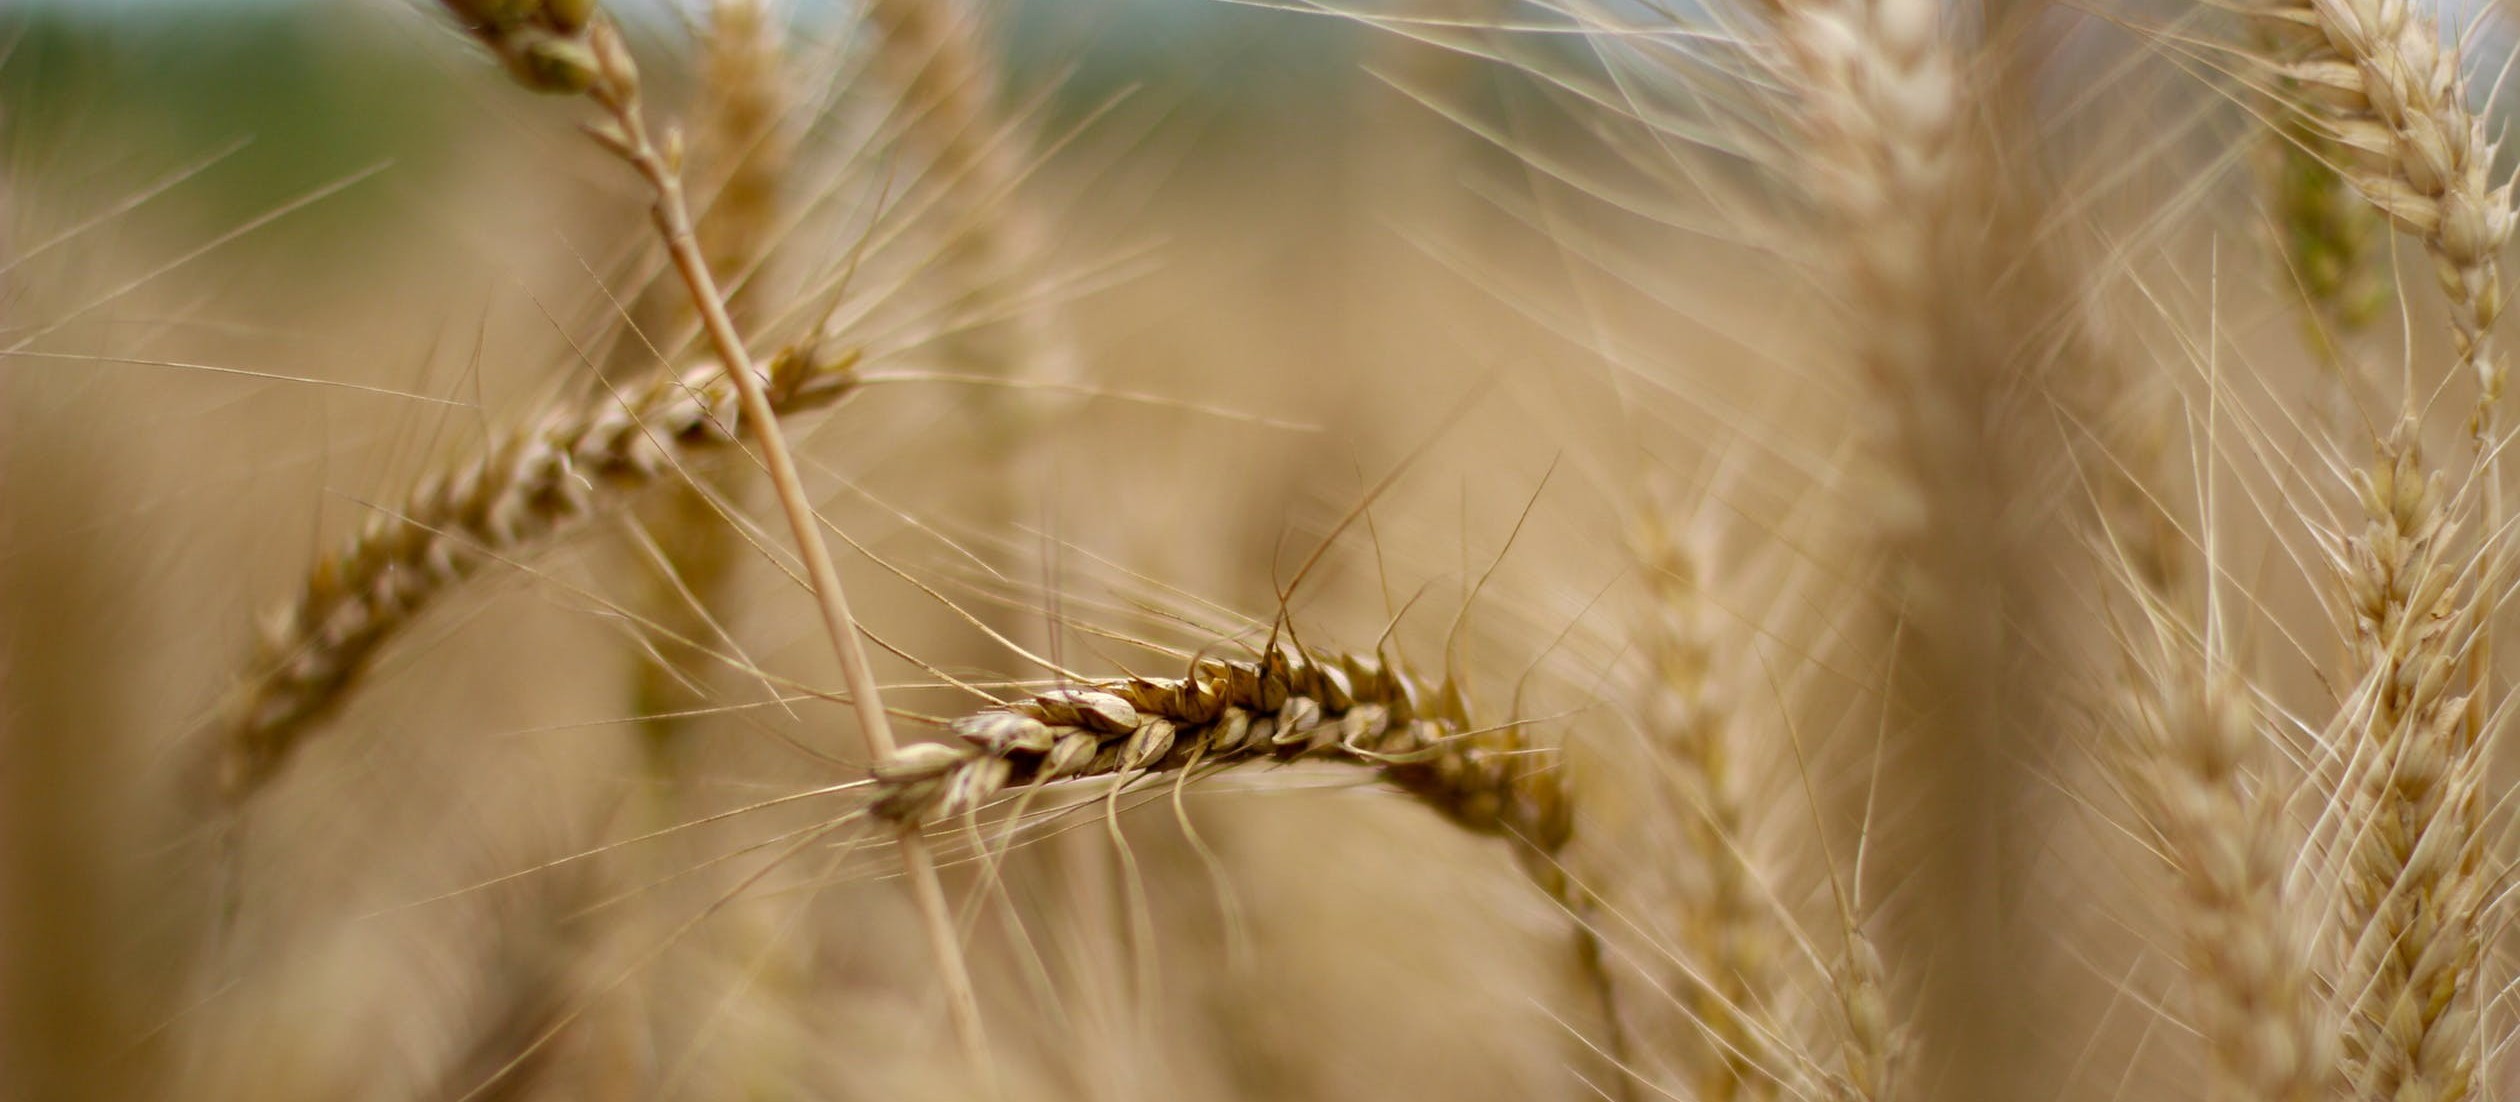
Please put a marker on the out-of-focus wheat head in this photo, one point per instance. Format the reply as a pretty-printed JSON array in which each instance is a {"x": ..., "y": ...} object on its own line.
[{"x": 1775, "y": 549}]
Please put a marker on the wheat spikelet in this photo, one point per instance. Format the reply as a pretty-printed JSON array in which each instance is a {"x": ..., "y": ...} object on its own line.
[
  {"x": 547, "y": 45},
  {"x": 1869, "y": 1042},
  {"x": 568, "y": 464}
]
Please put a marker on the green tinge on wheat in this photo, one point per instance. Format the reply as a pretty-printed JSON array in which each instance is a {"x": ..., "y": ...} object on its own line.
[
  {"x": 2385, "y": 88},
  {"x": 2381, "y": 84}
]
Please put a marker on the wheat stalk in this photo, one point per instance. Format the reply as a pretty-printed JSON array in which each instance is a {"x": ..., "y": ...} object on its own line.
[{"x": 545, "y": 47}]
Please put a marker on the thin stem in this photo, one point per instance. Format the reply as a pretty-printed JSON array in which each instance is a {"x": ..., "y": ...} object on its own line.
[{"x": 619, "y": 98}]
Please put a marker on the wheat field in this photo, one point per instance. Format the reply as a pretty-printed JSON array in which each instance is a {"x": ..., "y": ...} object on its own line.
[{"x": 1817, "y": 550}]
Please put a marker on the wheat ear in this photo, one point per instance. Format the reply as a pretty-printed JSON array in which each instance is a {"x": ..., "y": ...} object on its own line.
[
  {"x": 2383, "y": 85},
  {"x": 2413, "y": 890},
  {"x": 566, "y": 32},
  {"x": 742, "y": 158},
  {"x": 1886, "y": 154},
  {"x": 571, "y": 462},
  {"x": 744, "y": 148},
  {"x": 1286, "y": 705},
  {"x": 2188, "y": 751},
  {"x": 2251, "y": 982},
  {"x": 2191, "y": 757},
  {"x": 1726, "y": 927}
]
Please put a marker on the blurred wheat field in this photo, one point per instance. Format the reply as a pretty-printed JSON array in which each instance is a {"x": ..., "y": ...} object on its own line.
[{"x": 1791, "y": 549}]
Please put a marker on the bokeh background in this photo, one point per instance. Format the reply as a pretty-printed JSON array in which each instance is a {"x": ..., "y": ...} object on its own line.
[
  {"x": 271, "y": 262},
  {"x": 264, "y": 265}
]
